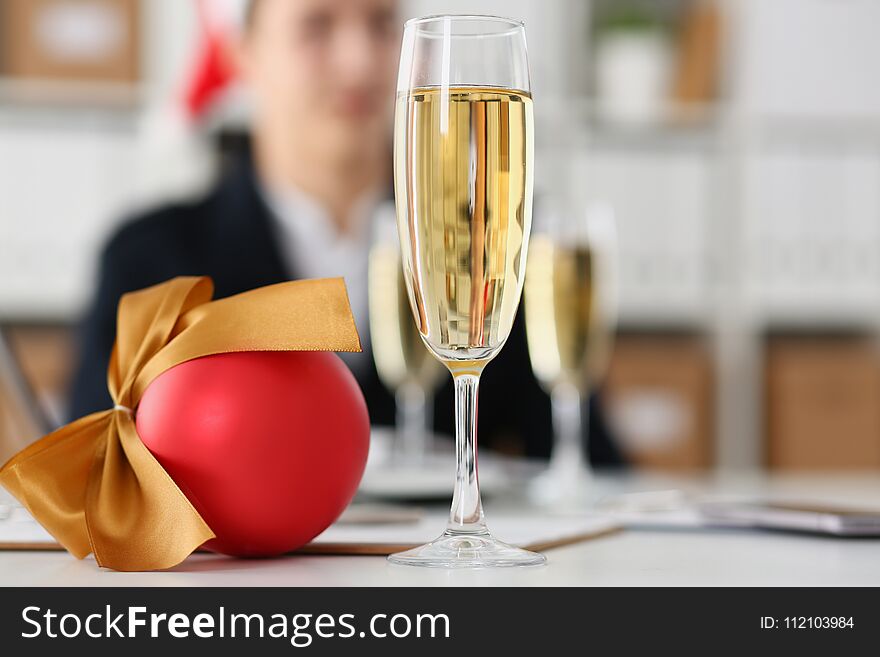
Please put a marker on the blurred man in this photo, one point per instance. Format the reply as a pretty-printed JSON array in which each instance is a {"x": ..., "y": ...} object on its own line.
[{"x": 322, "y": 77}]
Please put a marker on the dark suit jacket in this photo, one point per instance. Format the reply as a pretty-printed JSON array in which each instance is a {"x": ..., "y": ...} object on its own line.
[{"x": 228, "y": 236}]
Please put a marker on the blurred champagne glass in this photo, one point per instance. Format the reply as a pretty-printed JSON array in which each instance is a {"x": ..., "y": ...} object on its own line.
[
  {"x": 404, "y": 364},
  {"x": 570, "y": 311}
]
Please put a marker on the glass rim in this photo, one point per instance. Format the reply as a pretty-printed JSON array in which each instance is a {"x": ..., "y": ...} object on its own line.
[{"x": 512, "y": 22}]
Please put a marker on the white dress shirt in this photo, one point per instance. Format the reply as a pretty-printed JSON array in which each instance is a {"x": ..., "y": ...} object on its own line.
[{"x": 313, "y": 247}]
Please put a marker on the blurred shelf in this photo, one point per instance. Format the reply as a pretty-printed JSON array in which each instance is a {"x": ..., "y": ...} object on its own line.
[
  {"x": 636, "y": 318},
  {"x": 806, "y": 132},
  {"x": 585, "y": 122},
  {"x": 660, "y": 138},
  {"x": 50, "y": 94},
  {"x": 15, "y": 311},
  {"x": 816, "y": 317}
]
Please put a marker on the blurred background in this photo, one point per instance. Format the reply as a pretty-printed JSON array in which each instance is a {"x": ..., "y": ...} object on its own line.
[{"x": 738, "y": 142}]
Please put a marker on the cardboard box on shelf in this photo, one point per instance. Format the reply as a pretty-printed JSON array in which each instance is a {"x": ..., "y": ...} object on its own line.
[
  {"x": 822, "y": 403},
  {"x": 659, "y": 396},
  {"x": 45, "y": 356},
  {"x": 699, "y": 52},
  {"x": 71, "y": 40},
  {"x": 16, "y": 429}
]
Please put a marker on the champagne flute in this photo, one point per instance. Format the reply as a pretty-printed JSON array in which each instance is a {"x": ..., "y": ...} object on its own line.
[
  {"x": 404, "y": 364},
  {"x": 570, "y": 312},
  {"x": 463, "y": 159}
]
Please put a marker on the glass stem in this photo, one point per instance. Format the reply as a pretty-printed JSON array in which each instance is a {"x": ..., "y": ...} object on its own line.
[
  {"x": 568, "y": 459},
  {"x": 411, "y": 422},
  {"x": 466, "y": 514}
]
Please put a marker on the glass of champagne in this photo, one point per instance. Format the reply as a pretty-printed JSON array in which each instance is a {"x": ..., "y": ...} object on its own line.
[
  {"x": 570, "y": 312},
  {"x": 403, "y": 362},
  {"x": 463, "y": 160}
]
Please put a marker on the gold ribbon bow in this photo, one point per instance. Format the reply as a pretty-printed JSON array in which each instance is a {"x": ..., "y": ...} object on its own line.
[{"x": 93, "y": 484}]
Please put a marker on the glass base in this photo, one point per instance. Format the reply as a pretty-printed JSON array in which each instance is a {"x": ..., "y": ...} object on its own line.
[
  {"x": 570, "y": 490},
  {"x": 467, "y": 551}
]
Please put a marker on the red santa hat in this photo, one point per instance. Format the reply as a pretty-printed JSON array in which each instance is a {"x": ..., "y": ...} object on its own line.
[
  {"x": 175, "y": 157},
  {"x": 212, "y": 72}
]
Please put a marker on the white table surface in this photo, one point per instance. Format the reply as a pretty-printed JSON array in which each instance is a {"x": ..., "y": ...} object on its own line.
[{"x": 628, "y": 558}]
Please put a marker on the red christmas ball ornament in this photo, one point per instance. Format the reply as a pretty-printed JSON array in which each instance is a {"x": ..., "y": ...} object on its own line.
[{"x": 268, "y": 446}]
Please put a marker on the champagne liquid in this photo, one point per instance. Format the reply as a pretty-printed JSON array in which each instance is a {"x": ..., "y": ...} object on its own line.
[
  {"x": 463, "y": 182},
  {"x": 569, "y": 341},
  {"x": 400, "y": 355}
]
